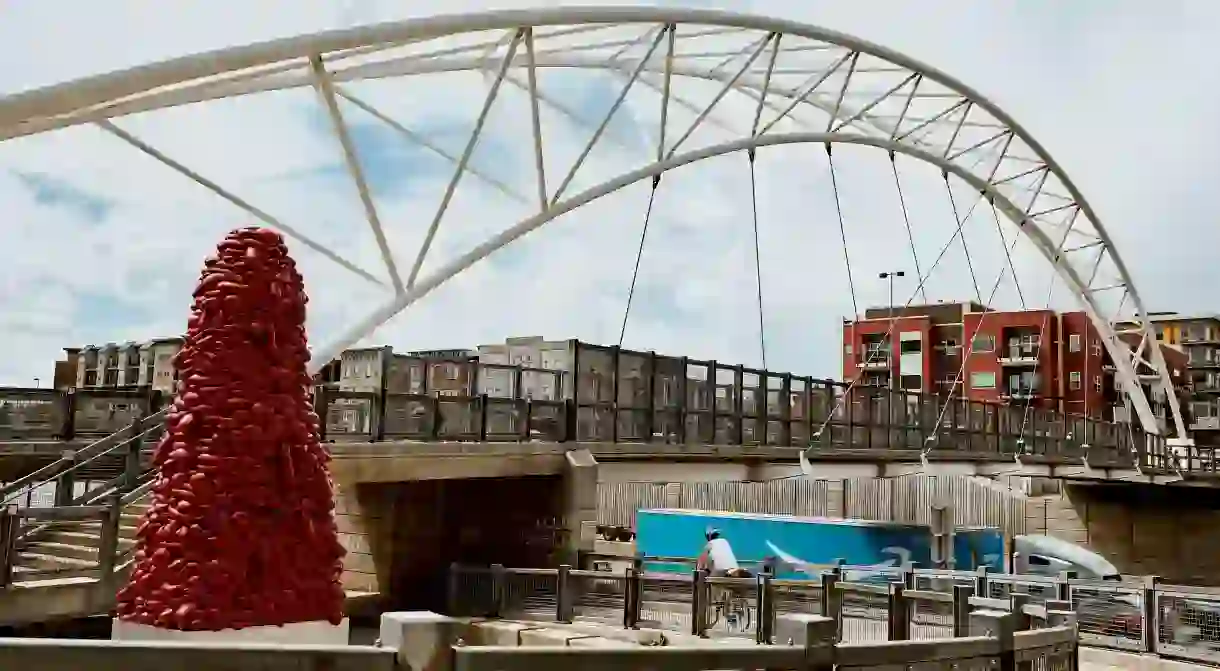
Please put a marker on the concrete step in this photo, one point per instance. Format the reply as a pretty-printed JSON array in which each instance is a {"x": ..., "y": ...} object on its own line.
[
  {"x": 41, "y": 560},
  {"x": 28, "y": 575},
  {"x": 64, "y": 550},
  {"x": 126, "y": 531},
  {"x": 86, "y": 537}
]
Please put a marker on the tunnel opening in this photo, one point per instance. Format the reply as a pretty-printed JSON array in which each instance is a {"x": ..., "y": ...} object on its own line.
[{"x": 514, "y": 521}]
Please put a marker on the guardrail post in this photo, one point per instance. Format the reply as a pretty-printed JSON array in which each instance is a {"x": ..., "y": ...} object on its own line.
[
  {"x": 67, "y": 430},
  {"x": 763, "y": 628},
  {"x": 899, "y": 622},
  {"x": 483, "y": 417},
  {"x": 999, "y": 626},
  {"x": 1150, "y": 613},
  {"x": 10, "y": 524},
  {"x": 961, "y": 610},
  {"x": 1017, "y": 603},
  {"x": 563, "y": 594},
  {"x": 499, "y": 589},
  {"x": 1063, "y": 588},
  {"x": 907, "y": 575},
  {"x": 321, "y": 407},
  {"x": 108, "y": 545},
  {"x": 631, "y": 598},
  {"x": 131, "y": 460},
  {"x": 832, "y": 602},
  {"x": 982, "y": 588},
  {"x": 65, "y": 482},
  {"x": 698, "y": 603}
]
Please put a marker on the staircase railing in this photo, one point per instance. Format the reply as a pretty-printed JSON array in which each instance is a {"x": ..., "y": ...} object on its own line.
[
  {"x": 62, "y": 471},
  {"x": 102, "y": 502}
]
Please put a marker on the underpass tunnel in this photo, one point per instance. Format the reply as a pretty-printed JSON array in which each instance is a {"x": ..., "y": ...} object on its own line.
[{"x": 515, "y": 521}]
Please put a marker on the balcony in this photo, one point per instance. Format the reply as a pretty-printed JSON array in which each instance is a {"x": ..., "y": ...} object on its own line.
[
  {"x": 1205, "y": 423},
  {"x": 1019, "y": 356},
  {"x": 1189, "y": 338},
  {"x": 1148, "y": 376},
  {"x": 874, "y": 360},
  {"x": 1020, "y": 394}
]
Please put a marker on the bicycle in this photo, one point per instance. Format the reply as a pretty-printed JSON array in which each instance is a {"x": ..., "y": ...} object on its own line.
[{"x": 733, "y": 607}]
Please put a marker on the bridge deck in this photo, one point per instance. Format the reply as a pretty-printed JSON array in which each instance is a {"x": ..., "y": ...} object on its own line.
[{"x": 636, "y": 405}]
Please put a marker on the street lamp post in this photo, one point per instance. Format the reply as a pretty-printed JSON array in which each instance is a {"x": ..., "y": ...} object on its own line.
[
  {"x": 37, "y": 383},
  {"x": 890, "y": 275}
]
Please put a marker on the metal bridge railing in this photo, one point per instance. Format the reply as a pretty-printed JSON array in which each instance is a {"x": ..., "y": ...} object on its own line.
[{"x": 876, "y": 605}]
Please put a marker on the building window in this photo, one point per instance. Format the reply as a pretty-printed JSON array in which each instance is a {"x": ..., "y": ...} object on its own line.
[
  {"x": 876, "y": 381},
  {"x": 914, "y": 382},
  {"x": 847, "y": 349},
  {"x": 983, "y": 343},
  {"x": 1074, "y": 380},
  {"x": 1096, "y": 348},
  {"x": 1074, "y": 342},
  {"x": 451, "y": 371},
  {"x": 910, "y": 347},
  {"x": 1097, "y": 382},
  {"x": 982, "y": 380}
]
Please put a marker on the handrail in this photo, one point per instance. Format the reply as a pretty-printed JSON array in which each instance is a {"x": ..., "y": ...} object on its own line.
[
  {"x": 998, "y": 627},
  {"x": 82, "y": 457}
]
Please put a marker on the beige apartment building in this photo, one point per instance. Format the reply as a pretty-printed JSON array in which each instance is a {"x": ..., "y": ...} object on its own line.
[{"x": 129, "y": 364}]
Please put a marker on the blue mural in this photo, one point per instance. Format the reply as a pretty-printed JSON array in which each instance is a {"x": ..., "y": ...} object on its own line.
[
  {"x": 978, "y": 546},
  {"x": 803, "y": 545}
]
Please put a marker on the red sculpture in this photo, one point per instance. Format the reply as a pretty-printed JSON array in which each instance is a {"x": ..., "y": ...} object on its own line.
[{"x": 240, "y": 530}]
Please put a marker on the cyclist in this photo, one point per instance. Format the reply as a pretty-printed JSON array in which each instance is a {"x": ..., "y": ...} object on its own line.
[
  {"x": 719, "y": 560},
  {"x": 718, "y": 557}
]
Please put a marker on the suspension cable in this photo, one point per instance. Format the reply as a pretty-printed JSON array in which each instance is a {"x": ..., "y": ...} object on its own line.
[
  {"x": 965, "y": 247},
  {"x": 762, "y": 333},
  {"x": 995, "y": 215},
  {"x": 834, "y": 185},
  {"x": 1029, "y": 398},
  {"x": 906, "y": 220},
  {"x": 957, "y": 379},
  {"x": 960, "y": 223},
  {"x": 635, "y": 274},
  {"x": 890, "y": 331}
]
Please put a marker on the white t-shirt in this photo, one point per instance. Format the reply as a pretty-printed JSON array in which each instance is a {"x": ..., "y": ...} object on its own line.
[{"x": 720, "y": 555}]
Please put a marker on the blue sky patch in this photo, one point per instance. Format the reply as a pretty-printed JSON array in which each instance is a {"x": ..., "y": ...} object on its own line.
[
  {"x": 394, "y": 165},
  {"x": 56, "y": 192}
]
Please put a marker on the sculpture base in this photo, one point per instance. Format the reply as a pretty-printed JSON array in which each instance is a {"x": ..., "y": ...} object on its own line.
[{"x": 297, "y": 633}]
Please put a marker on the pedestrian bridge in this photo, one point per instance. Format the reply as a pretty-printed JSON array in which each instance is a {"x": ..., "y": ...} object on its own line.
[
  {"x": 560, "y": 446},
  {"x": 623, "y": 405}
]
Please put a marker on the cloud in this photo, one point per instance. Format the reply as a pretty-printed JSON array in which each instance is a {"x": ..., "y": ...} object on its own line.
[{"x": 102, "y": 243}]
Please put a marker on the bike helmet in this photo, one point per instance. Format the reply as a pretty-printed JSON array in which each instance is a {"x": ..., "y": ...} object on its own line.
[{"x": 711, "y": 533}]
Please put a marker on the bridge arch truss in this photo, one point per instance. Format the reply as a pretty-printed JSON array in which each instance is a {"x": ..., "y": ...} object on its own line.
[{"x": 804, "y": 84}]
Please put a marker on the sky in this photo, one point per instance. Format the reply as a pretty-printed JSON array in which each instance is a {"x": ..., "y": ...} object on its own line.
[{"x": 102, "y": 243}]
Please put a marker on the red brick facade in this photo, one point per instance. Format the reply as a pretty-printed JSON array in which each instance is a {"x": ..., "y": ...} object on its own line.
[{"x": 1051, "y": 360}]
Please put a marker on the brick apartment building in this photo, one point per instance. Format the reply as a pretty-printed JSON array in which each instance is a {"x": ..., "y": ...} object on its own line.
[
  {"x": 1195, "y": 340},
  {"x": 1047, "y": 359}
]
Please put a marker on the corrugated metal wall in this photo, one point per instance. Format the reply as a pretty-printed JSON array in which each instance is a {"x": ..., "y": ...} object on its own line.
[
  {"x": 618, "y": 501},
  {"x": 974, "y": 501}
]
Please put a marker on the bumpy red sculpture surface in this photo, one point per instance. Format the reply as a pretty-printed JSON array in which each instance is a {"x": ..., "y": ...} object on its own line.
[{"x": 240, "y": 530}]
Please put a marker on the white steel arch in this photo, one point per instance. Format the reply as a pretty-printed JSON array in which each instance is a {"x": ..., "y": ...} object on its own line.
[{"x": 973, "y": 130}]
